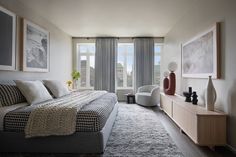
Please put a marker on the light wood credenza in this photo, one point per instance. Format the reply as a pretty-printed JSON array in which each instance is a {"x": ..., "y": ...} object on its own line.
[{"x": 205, "y": 128}]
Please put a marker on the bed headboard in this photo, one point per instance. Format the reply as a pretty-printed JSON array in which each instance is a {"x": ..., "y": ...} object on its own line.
[{"x": 10, "y": 82}]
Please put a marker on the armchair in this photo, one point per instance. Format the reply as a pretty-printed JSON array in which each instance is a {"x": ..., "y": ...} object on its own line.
[{"x": 148, "y": 95}]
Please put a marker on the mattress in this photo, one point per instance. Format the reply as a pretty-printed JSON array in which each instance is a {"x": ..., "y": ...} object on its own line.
[{"x": 91, "y": 118}]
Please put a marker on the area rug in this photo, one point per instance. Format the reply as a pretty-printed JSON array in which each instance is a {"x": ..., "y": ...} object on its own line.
[{"x": 138, "y": 132}]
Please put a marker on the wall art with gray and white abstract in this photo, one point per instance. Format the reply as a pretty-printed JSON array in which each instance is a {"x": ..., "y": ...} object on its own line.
[
  {"x": 36, "y": 48},
  {"x": 199, "y": 56}
]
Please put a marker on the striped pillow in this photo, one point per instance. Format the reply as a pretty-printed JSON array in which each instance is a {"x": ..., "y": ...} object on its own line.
[{"x": 10, "y": 95}]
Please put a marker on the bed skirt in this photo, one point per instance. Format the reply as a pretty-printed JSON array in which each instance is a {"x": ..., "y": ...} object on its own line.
[{"x": 79, "y": 142}]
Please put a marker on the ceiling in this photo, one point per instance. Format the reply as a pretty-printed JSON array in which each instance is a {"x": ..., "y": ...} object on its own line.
[{"x": 121, "y": 18}]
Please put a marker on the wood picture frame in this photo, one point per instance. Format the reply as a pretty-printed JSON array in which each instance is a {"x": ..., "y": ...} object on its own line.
[
  {"x": 201, "y": 55},
  {"x": 35, "y": 48},
  {"x": 7, "y": 39}
]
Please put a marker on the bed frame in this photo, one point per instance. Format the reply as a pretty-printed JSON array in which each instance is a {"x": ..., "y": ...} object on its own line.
[{"x": 79, "y": 142}]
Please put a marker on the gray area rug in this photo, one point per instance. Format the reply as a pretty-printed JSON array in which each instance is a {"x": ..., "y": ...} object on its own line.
[{"x": 137, "y": 132}]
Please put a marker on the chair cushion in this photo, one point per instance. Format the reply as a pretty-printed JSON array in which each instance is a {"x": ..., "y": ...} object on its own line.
[{"x": 144, "y": 94}]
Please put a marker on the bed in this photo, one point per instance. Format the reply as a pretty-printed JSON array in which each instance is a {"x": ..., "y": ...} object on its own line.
[{"x": 94, "y": 123}]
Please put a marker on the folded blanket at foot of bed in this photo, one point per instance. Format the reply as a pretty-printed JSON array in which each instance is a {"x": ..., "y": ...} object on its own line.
[{"x": 58, "y": 117}]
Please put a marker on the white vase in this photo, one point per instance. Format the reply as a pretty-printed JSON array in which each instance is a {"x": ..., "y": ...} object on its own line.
[
  {"x": 210, "y": 95},
  {"x": 75, "y": 84}
]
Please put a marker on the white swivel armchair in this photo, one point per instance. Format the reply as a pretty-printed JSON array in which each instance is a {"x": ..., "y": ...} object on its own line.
[{"x": 148, "y": 95}]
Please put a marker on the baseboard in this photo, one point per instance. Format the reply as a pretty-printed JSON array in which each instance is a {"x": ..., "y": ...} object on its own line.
[{"x": 231, "y": 148}]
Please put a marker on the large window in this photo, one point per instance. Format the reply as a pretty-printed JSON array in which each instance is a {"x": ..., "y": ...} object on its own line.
[
  {"x": 86, "y": 64},
  {"x": 157, "y": 59},
  {"x": 125, "y": 66}
]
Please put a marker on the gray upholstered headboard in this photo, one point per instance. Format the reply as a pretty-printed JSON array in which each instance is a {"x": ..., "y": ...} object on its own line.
[{"x": 10, "y": 82}]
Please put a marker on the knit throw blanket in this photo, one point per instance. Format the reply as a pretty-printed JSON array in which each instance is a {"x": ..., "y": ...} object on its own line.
[{"x": 58, "y": 117}]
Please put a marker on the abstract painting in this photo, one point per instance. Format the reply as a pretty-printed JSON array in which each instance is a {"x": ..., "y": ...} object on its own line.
[
  {"x": 200, "y": 56},
  {"x": 35, "y": 48},
  {"x": 7, "y": 39}
]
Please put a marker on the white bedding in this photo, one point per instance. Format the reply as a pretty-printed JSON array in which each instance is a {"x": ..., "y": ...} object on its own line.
[{"x": 4, "y": 110}]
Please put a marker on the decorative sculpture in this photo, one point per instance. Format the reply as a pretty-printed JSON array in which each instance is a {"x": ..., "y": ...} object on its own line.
[
  {"x": 169, "y": 88},
  {"x": 188, "y": 95},
  {"x": 210, "y": 95},
  {"x": 166, "y": 80},
  {"x": 195, "y": 100}
]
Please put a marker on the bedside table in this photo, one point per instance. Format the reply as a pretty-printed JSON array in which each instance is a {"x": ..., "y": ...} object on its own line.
[{"x": 130, "y": 98}]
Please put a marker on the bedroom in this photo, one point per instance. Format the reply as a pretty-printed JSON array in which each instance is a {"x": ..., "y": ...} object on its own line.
[{"x": 73, "y": 29}]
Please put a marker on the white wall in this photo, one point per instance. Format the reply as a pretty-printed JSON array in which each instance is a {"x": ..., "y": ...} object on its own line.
[
  {"x": 200, "y": 17},
  {"x": 60, "y": 47}
]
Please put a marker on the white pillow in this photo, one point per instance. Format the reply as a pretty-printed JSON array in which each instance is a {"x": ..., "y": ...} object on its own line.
[
  {"x": 57, "y": 88},
  {"x": 34, "y": 91}
]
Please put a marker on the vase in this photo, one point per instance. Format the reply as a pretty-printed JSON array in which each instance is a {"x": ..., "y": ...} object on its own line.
[
  {"x": 75, "y": 84},
  {"x": 171, "y": 85},
  {"x": 210, "y": 95}
]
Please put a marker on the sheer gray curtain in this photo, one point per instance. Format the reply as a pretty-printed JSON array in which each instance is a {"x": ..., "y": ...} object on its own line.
[
  {"x": 143, "y": 61},
  {"x": 105, "y": 61}
]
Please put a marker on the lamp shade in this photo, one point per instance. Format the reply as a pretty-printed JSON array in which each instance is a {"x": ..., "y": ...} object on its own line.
[{"x": 172, "y": 66}]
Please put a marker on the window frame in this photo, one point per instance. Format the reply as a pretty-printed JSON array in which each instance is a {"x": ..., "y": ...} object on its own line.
[{"x": 87, "y": 55}]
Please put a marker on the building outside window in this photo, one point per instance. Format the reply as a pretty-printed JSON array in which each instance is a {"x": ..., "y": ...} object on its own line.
[
  {"x": 125, "y": 66},
  {"x": 86, "y": 64},
  {"x": 157, "y": 60}
]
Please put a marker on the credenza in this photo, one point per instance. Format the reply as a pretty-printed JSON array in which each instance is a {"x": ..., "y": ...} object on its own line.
[{"x": 205, "y": 128}]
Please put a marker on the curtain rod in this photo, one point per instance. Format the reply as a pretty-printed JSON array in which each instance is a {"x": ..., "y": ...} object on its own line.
[{"x": 88, "y": 38}]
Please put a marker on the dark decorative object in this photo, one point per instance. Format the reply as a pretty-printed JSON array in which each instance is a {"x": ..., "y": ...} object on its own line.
[
  {"x": 195, "y": 100},
  {"x": 170, "y": 89},
  {"x": 188, "y": 95}
]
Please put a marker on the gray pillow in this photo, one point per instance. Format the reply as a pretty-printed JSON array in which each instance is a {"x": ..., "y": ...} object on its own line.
[
  {"x": 56, "y": 87},
  {"x": 34, "y": 91}
]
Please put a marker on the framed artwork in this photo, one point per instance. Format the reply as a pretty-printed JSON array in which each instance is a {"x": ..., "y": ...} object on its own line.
[
  {"x": 7, "y": 39},
  {"x": 35, "y": 48},
  {"x": 201, "y": 55}
]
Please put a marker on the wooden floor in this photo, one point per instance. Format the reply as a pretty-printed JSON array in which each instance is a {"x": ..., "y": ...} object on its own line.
[{"x": 185, "y": 144}]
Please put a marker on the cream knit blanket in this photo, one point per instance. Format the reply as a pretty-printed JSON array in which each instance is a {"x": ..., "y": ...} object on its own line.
[{"x": 58, "y": 117}]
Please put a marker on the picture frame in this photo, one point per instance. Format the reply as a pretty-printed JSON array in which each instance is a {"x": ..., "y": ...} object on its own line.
[
  {"x": 8, "y": 39},
  {"x": 201, "y": 55},
  {"x": 35, "y": 48}
]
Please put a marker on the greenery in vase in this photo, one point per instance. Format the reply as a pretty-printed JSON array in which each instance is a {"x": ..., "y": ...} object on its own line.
[{"x": 75, "y": 75}]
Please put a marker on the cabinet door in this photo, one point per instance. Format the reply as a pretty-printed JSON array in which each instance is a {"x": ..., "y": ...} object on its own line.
[
  {"x": 166, "y": 104},
  {"x": 186, "y": 120}
]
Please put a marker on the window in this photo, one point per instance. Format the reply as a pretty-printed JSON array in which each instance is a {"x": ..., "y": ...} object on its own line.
[
  {"x": 157, "y": 59},
  {"x": 86, "y": 64},
  {"x": 124, "y": 66}
]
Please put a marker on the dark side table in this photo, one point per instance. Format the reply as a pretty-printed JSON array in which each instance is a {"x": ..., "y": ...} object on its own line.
[{"x": 130, "y": 98}]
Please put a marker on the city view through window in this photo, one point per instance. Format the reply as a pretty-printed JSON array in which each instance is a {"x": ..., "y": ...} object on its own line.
[
  {"x": 86, "y": 64},
  {"x": 124, "y": 65}
]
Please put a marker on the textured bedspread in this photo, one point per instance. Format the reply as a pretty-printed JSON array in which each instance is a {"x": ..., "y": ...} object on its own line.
[
  {"x": 58, "y": 117},
  {"x": 90, "y": 118}
]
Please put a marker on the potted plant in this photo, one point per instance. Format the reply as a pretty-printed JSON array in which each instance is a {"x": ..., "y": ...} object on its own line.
[{"x": 75, "y": 76}]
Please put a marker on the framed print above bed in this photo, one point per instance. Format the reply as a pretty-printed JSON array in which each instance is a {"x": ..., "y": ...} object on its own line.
[
  {"x": 7, "y": 39},
  {"x": 35, "y": 48},
  {"x": 201, "y": 55}
]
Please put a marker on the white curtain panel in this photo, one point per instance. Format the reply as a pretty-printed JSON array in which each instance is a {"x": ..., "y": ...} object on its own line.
[
  {"x": 143, "y": 61},
  {"x": 105, "y": 61}
]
